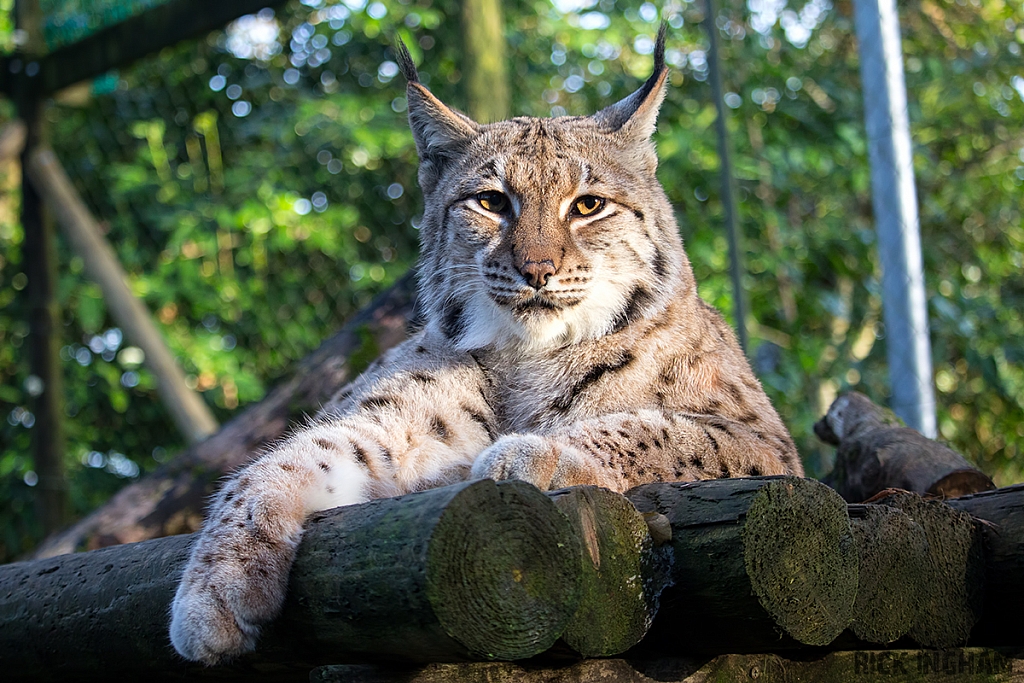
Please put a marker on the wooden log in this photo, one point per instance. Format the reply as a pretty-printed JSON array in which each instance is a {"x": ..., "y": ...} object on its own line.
[
  {"x": 893, "y": 551},
  {"x": 959, "y": 665},
  {"x": 171, "y": 499},
  {"x": 1002, "y": 527},
  {"x": 190, "y": 414},
  {"x": 623, "y": 574},
  {"x": 477, "y": 570},
  {"x": 952, "y": 602},
  {"x": 875, "y": 452},
  {"x": 759, "y": 563}
]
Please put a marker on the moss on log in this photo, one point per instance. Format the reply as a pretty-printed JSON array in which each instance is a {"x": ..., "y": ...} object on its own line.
[
  {"x": 893, "y": 554},
  {"x": 952, "y": 601},
  {"x": 759, "y": 563},
  {"x": 623, "y": 574},
  {"x": 1002, "y": 527},
  {"x": 476, "y": 570}
]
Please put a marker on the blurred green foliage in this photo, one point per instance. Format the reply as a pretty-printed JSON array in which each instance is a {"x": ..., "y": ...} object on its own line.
[{"x": 259, "y": 187}]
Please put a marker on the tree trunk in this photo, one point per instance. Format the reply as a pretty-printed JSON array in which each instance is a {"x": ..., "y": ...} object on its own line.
[
  {"x": 172, "y": 499},
  {"x": 754, "y": 559},
  {"x": 484, "y": 61},
  {"x": 1002, "y": 515},
  {"x": 875, "y": 453},
  {"x": 476, "y": 570}
]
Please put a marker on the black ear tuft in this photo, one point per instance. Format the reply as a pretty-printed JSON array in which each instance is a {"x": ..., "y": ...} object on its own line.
[
  {"x": 408, "y": 68},
  {"x": 640, "y": 108},
  {"x": 659, "y": 49},
  {"x": 659, "y": 61}
]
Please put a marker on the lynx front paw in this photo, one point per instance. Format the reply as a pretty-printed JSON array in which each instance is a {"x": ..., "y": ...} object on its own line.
[
  {"x": 527, "y": 457},
  {"x": 224, "y": 597}
]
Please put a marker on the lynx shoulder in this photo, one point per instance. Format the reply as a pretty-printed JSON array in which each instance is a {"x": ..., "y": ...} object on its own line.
[{"x": 564, "y": 344}]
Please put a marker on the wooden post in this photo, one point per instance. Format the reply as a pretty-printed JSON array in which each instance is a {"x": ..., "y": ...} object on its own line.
[
  {"x": 45, "y": 384},
  {"x": 191, "y": 415},
  {"x": 484, "y": 62}
]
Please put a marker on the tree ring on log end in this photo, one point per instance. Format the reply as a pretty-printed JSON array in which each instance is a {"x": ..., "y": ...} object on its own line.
[
  {"x": 503, "y": 570},
  {"x": 801, "y": 557}
]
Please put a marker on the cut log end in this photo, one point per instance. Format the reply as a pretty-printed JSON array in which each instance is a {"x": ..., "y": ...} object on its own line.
[
  {"x": 622, "y": 576},
  {"x": 893, "y": 572},
  {"x": 499, "y": 577},
  {"x": 798, "y": 523},
  {"x": 952, "y": 600},
  {"x": 758, "y": 562}
]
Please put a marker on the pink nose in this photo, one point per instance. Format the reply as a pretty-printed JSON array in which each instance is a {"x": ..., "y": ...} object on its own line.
[{"x": 537, "y": 272}]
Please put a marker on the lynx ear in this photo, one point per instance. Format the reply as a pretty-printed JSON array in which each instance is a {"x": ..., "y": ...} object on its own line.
[
  {"x": 439, "y": 130},
  {"x": 637, "y": 115}
]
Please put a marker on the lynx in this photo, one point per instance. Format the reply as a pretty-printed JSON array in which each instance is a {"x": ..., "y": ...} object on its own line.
[{"x": 564, "y": 344}]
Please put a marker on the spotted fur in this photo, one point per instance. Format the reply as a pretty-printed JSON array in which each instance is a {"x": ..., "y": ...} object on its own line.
[{"x": 559, "y": 348}]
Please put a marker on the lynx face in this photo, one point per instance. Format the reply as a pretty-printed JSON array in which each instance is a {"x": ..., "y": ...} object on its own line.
[{"x": 543, "y": 232}]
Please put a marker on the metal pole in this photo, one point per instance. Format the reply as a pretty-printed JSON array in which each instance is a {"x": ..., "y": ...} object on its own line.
[
  {"x": 739, "y": 308},
  {"x": 894, "y": 199}
]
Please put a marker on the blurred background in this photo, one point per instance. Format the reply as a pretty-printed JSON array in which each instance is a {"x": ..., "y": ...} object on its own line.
[{"x": 258, "y": 186}]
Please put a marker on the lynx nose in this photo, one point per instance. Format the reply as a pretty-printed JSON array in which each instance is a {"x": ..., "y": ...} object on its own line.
[{"x": 537, "y": 273}]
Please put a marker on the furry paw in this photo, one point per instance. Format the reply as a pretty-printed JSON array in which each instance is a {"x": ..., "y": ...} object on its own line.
[
  {"x": 527, "y": 457},
  {"x": 230, "y": 587}
]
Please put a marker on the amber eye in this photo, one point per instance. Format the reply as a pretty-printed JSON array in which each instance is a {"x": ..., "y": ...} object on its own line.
[
  {"x": 587, "y": 205},
  {"x": 494, "y": 202}
]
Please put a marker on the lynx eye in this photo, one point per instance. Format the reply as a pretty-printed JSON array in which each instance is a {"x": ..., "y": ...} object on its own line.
[
  {"x": 495, "y": 202},
  {"x": 587, "y": 205}
]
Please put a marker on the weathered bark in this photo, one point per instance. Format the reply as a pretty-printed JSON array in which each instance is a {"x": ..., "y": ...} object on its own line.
[
  {"x": 171, "y": 500},
  {"x": 477, "y": 570},
  {"x": 1002, "y": 515},
  {"x": 875, "y": 453},
  {"x": 759, "y": 563},
  {"x": 952, "y": 601},
  {"x": 966, "y": 665},
  {"x": 623, "y": 574},
  {"x": 893, "y": 552}
]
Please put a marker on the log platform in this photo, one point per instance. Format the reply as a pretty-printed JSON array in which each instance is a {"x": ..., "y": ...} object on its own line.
[
  {"x": 958, "y": 665},
  {"x": 768, "y": 578}
]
